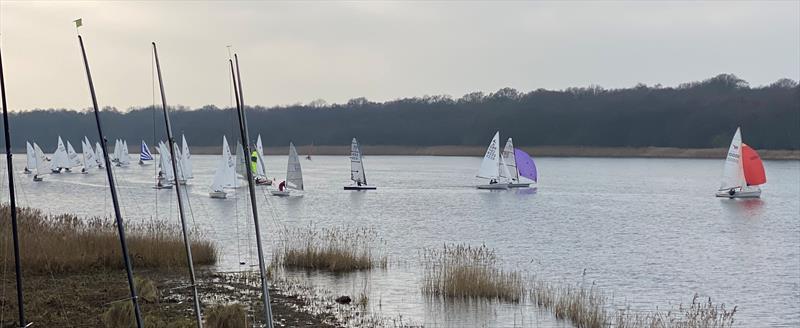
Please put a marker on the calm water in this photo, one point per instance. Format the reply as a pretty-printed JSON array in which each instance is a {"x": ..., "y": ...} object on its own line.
[{"x": 647, "y": 231}]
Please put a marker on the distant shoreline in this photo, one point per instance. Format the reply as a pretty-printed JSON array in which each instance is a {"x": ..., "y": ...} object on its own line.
[{"x": 540, "y": 151}]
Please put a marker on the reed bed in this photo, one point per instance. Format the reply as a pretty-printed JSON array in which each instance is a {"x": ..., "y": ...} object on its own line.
[
  {"x": 698, "y": 314},
  {"x": 331, "y": 249},
  {"x": 65, "y": 243},
  {"x": 584, "y": 308},
  {"x": 462, "y": 271}
]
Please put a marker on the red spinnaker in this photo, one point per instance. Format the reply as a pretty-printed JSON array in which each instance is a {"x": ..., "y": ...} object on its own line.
[{"x": 753, "y": 167}]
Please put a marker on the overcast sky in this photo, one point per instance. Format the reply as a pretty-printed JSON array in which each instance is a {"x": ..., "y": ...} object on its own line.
[{"x": 294, "y": 52}]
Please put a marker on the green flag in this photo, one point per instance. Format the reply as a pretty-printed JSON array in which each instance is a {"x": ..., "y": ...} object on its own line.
[{"x": 78, "y": 22}]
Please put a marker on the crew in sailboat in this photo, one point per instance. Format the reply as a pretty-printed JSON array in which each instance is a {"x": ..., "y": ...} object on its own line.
[
  {"x": 357, "y": 174},
  {"x": 294, "y": 175},
  {"x": 30, "y": 157},
  {"x": 258, "y": 165}
]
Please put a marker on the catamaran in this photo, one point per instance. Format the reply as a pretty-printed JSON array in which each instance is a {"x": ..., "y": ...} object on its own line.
[
  {"x": 260, "y": 170},
  {"x": 60, "y": 158},
  {"x": 491, "y": 166},
  {"x": 516, "y": 167},
  {"x": 88, "y": 160},
  {"x": 30, "y": 157},
  {"x": 41, "y": 166},
  {"x": 144, "y": 154},
  {"x": 294, "y": 175},
  {"x": 357, "y": 169},
  {"x": 225, "y": 176},
  {"x": 743, "y": 171}
]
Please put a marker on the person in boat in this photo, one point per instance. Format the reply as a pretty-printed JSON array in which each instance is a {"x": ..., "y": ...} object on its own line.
[
  {"x": 27, "y": 171},
  {"x": 282, "y": 186},
  {"x": 493, "y": 181},
  {"x": 254, "y": 161},
  {"x": 358, "y": 183}
]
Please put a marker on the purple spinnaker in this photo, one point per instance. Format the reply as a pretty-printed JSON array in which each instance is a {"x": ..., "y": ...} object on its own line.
[{"x": 525, "y": 164}]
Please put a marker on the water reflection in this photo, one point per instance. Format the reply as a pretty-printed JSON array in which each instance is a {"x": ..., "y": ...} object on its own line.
[{"x": 749, "y": 208}]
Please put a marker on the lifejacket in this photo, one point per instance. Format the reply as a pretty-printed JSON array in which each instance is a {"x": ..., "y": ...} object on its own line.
[{"x": 254, "y": 161}]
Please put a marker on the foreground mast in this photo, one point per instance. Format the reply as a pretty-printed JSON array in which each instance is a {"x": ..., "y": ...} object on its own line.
[
  {"x": 14, "y": 229},
  {"x": 118, "y": 215},
  {"x": 237, "y": 80},
  {"x": 171, "y": 141}
]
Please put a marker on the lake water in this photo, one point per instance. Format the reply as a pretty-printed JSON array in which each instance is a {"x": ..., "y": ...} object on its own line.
[{"x": 649, "y": 232}]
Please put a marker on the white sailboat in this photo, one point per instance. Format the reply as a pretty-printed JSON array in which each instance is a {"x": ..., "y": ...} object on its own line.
[
  {"x": 87, "y": 160},
  {"x": 30, "y": 158},
  {"x": 357, "y": 169},
  {"x": 490, "y": 166},
  {"x": 123, "y": 158},
  {"x": 74, "y": 158},
  {"x": 98, "y": 154},
  {"x": 166, "y": 175},
  {"x": 225, "y": 176},
  {"x": 510, "y": 161},
  {"x": 186, "y": 160},
  {"x": 743, "y": 171},
  {"x": 41, "y": 166},
  {"x": 261, "y": 167},
  {"x": 294, "y": 175},
  {"x": 60, "y": 160}
]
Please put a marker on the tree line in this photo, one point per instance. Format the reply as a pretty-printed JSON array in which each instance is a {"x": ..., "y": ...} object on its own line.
[{"x": 699, "y": 114}]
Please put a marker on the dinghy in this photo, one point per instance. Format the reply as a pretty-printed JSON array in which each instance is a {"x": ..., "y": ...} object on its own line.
[
  {"x": 261, "y": 167},
  {"x": 30, "y": 158},
  {"x": 357, "y": 169},
  {"x": 225, "y": 176},
  {"x": 74, "y": 158},
  {"x": 525, "y": 166},
  {"x": 41, "y": 166},
  {"x": 166, "y": 176},
  {"x": 60, "y": 159},
  {"x": 743, "y": 171},
  {"x": 144, "y": 154},
  {"x": 185, "y": 160},
  {"x": 123, "y": 158},
  {"x": 512, "y": 165},
  {"x": 98, "y": 154},
  {"x": 490, "y": 166},
  {"x": 294, "y": 175},
  {"x": 87, "y": 160}
]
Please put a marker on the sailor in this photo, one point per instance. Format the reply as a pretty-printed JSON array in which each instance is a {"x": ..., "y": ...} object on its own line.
[
  {"x": 282, "y": 186},
  {"x": 254, "y": 161}
]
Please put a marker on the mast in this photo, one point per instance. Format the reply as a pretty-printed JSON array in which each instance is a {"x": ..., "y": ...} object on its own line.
[
  {"x": 237, "y": 81},
  {"x": 178, "y": 192},
  {"x": 14, "y": 228},
  {"x": 113, "y": 189}
]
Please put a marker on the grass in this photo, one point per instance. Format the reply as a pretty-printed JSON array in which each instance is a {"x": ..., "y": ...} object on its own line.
[
  {"x": 226, "y": 316},
  {"x": 66, "y": 243},
  {"x": 330, "y": 249},
  {"x": 462, "y": 271},
  {"x": 584, "y": 308},
  {"x": 698, "y": 314}
]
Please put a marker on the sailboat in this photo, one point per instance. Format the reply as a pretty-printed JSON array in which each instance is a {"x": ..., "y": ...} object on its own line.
[
  {"x": 60, "y": 158},
  {"x": 123, "y": 157},
  {"x": 74, "y": 158},
  {"x": 186, "y": 160},
  {"x": 357, "y": 169},
  {"x": 743, "y": 171},
  {"x": 513, "y": 163},
  {"x": 98, "y": 154},
  {"x": 166, "y": 176},
  {"x": 491, "y": 166},
  {"x": 525, "y": 166},
  {"x": 261, "y": 167},
  {"x": 144, "y": 154},
  {"x": 41, "y": 166},
  {"x": 294, "y": 175},
  {"x": 30, "y": 156},
  {"x": 87, "y": 160},
  {"x": 225, "y": 176}
]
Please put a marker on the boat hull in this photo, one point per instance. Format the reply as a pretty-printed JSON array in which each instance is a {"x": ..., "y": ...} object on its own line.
[
  {"x": 37, "y": 179},
  {"x": 263, "y": 182},
  {"x": 741, "y": 193},
  {"x": 360, "y": 187},
  {"x": 283, "y": 193},
  {"x": 218, "y": 194},
  {"x": 519, "y": 185},
  {"x": 493, "y": 186}
]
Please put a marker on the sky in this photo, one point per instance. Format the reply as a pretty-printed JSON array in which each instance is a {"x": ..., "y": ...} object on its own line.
[{"x": 300, "y": 51}]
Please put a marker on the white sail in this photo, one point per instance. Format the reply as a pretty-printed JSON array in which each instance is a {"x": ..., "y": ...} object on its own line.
[
  {"x": 98, "y": 154},
  {"x": 510, "y": 160},
  {"x": 732, "y": 173},
  {"x": 259, "y": 146},
  {"x": 60, "y": 158},
  {"x": 186, "y": 159},
  {"x": 490, "y": 166},
  {"x": 74, "y": 158},
  {"x": 165, "y": 163},
  {"x": 294, "y": 174},
  {"x": 225, "y": 176},
  {"x": 241, "y": 162},
  {"x": 261, "y": 167},
  {"x": 125, "y": 157},
  {"x": 504, "y": 172},
  {"x": 88, "y": 159},
  {"x": 30, "y": 156},
  {"x": 356, "y": 164},
  {"x": 41, "y": 166}
]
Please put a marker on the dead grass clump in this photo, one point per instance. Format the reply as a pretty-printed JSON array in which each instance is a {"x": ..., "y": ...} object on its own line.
[
  {"x": 698, "y": 314},
  {"x": 584, "y": 308},
  {"x": 120, "y": 315},
  {"x": 331, "y": 249},
  {"x": 227, "y": 316},
  {"x": 461, "y": 271},
  {"x": 146, "y": 289},
  {"x": 66, "y": 243}
]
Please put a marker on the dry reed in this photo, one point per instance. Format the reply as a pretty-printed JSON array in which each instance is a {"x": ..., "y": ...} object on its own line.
[
  {"x": 460, "y": 271},
  {"x": 331, "y": 249},
  {"x": 66, "y": 243},
  {"x": 698, "y": 314},
  {"x": 227, "y": 316}
]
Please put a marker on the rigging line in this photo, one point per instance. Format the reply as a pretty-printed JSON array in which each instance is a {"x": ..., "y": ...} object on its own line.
[{"x": 153, "y": 89}]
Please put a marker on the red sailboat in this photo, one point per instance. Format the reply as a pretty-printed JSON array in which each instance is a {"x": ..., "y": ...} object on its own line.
[{"x": 743, "y": 172}]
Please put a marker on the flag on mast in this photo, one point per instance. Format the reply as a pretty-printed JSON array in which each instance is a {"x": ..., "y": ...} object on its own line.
[{"x": 78, "y": 22}]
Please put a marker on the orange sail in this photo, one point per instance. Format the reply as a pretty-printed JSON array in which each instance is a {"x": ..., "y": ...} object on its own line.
[{"x": 752, "y": 166}]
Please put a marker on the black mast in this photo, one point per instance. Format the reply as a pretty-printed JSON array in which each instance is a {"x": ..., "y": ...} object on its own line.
[
  {"x": 171, "y": 141},
  {"x": 237, "y": 77},
  {"x": 118, "y": 215},
  {"x": 13, "y": 197}
]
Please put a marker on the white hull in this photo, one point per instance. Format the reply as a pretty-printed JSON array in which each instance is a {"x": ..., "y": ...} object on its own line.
[
  {"x": 493, "y": 186},
  {"x": 361, "y": 187},
  {"x": 279, "y": 193},
  {"x": 263, "y": 182},
  {"x": 746, "y": 192},
  {"x": 218, "y": 194}
]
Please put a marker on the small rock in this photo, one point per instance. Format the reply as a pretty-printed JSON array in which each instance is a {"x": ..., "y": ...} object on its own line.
[{"x": 343, "y": 299}]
